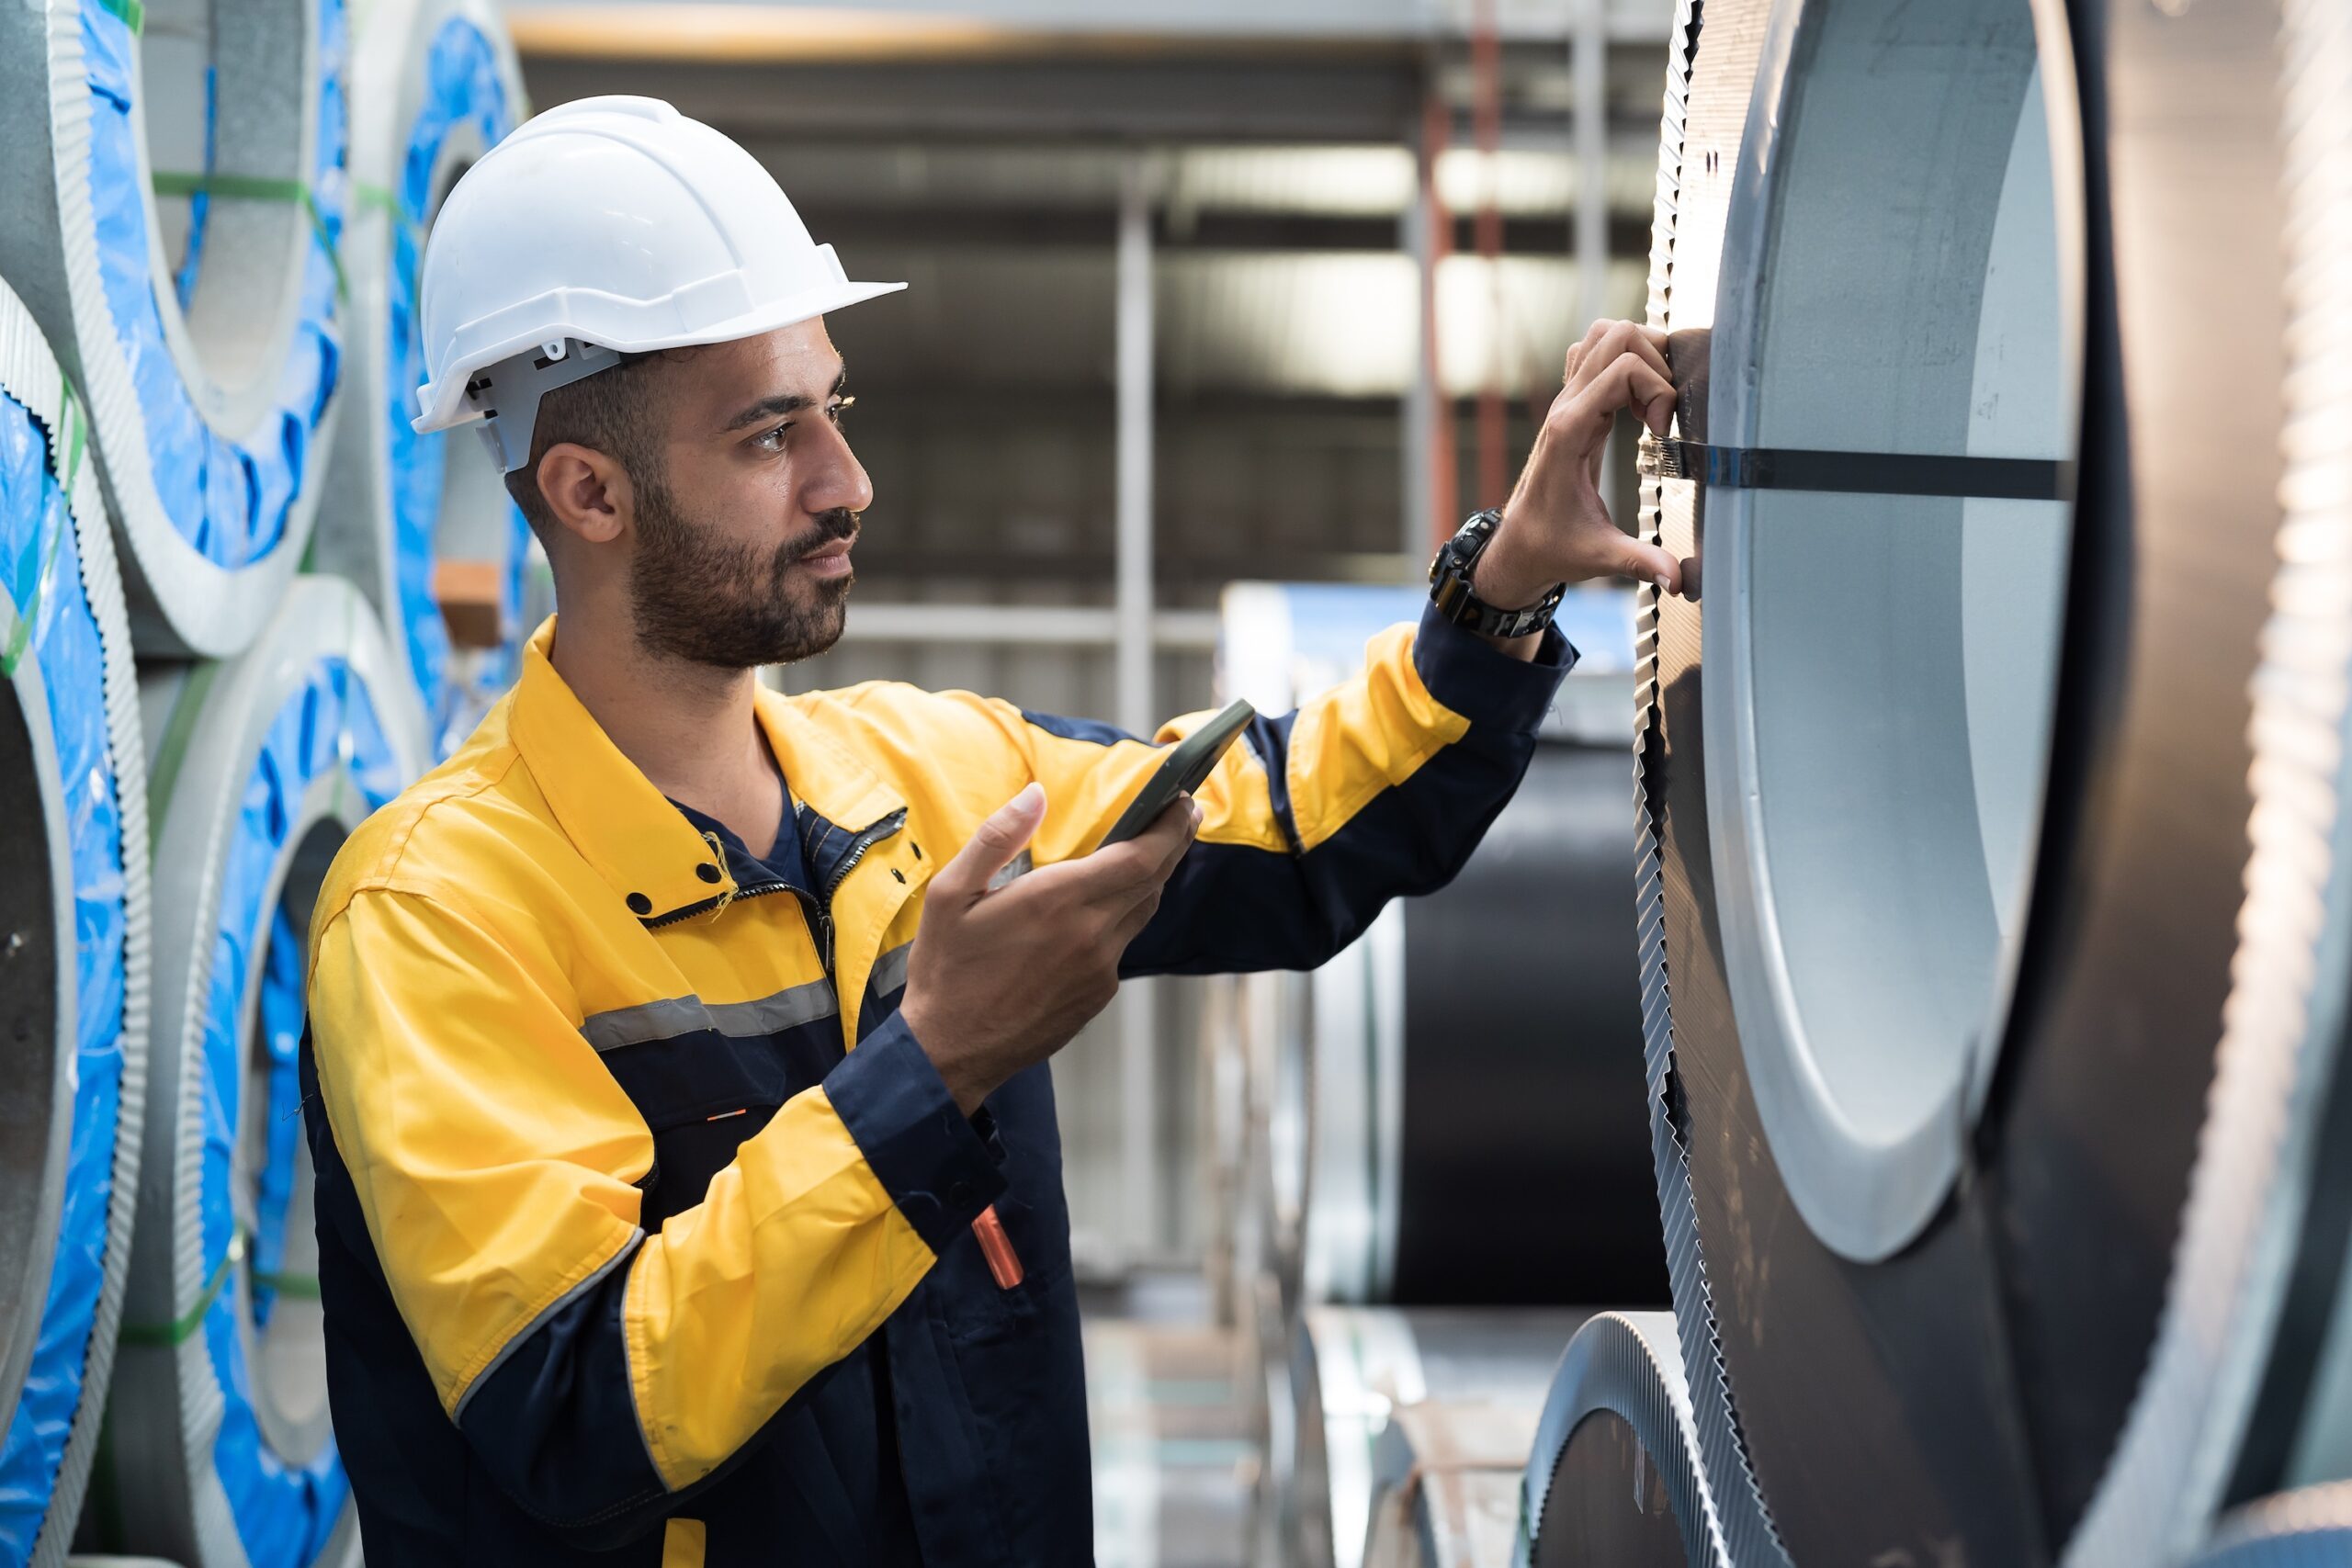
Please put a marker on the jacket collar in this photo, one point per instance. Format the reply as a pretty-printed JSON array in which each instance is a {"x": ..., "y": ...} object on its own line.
[{"x": 626, "y": 829}]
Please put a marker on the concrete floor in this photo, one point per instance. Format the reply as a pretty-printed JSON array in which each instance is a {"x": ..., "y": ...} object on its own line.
[{"x": 1174, "y": 1461}]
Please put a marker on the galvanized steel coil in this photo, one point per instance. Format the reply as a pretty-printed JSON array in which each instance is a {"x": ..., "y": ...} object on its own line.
[
  {"x": 1949, "y": 916},
  {"x": 222, "y": 1449},
  {"x": 74, "y": 947},
  {"x": 1614, "y": 1479},
  {"x": 176, "y": 184},
  {"x": 1471, "y": 1096}
]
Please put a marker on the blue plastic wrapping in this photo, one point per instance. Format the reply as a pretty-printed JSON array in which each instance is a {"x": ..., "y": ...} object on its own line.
[
  {"x": 284, "y": 1512},
  {"x": 200, "y": 204},
  {"x": 40, "y": 575},
  {"x": 230, "y": 500},
  {"x": 462, "y": 89},
  {"x": 280, "y": 1021}
]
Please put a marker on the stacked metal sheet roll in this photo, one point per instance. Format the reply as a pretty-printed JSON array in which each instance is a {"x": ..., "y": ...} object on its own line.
[
  {"x": 434, "y": 85},
  {"x": 74, "y": 947},
  {"x": 1471, "y": 1089},
  {"x": 1449, "y": 1113},
  {"x": 262, "y": 766},
  {"x": 177, "y": 181},
  {"x": 207, "y": 203},
  {"x": 1613, "y": 1476},
  {"x": 1994, "y": 1058}
]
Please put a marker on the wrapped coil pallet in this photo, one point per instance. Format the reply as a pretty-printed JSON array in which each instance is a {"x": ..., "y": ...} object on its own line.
[
  {"x": 434, "y": 85},
  {"x": 176, "y": 190},
  {"x": 222, "y": 1450},
  {"x": 74, "y": 947}
]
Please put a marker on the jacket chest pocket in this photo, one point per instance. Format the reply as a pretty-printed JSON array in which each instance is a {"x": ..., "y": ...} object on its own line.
[{"x": 702, "y": 1093}]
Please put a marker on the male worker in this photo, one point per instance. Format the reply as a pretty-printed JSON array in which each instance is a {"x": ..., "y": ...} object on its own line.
[{"x": 688, "y": 1184}]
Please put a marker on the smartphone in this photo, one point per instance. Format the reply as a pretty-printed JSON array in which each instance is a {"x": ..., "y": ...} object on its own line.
[{"x": 1187, "y": 765}]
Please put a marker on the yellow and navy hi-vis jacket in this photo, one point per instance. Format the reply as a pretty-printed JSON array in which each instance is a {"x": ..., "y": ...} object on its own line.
[{"x": 607, "y": 1204}]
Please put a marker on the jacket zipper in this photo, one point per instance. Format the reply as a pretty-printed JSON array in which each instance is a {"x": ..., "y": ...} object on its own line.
[
  {"x": 887, "y": 828},
  {"x": 707, "y": 904},
  {"x": 818, "y": 905}
]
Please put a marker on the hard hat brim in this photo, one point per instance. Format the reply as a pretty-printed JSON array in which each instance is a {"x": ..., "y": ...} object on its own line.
[{"x": 442, "y": 399}]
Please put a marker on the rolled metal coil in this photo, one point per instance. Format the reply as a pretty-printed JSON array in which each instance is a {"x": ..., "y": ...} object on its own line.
[
  {"x": 222, "y": 1452},
  {"x": 177, "y": 189},
  {"x": 1999, "y": 922},
  {"x": 1613, "y": 1477},
  {"x": 74, "y": 947},
  {"x": 2248, "y": 1387},
  {"x": 1472, "y": 1098}
]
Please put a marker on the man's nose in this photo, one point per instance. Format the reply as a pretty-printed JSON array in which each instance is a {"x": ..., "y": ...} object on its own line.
[{"x": 839, "y": 481}]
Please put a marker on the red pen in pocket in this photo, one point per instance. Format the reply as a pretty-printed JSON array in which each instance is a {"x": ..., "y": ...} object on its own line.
[{"x": 1004, "y": 1264}]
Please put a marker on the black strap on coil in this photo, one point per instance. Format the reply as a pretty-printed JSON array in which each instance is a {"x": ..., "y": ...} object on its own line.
[{"x": 1858, "y": 473}]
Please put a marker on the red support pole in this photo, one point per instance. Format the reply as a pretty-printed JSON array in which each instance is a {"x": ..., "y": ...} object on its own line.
[
  {"x": 1444, "y": 499},
  {"x": 1486, "y": 109}
]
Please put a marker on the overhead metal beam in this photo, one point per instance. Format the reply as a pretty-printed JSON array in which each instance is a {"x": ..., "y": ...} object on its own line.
[
  {"x": 1623, "y": 233},
  {"x": 871, "y": 27},
  {"x": 1348, "y": 98}
]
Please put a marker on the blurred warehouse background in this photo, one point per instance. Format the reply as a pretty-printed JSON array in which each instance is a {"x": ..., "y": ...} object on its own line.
[{"x": 1881, "y": 1103}]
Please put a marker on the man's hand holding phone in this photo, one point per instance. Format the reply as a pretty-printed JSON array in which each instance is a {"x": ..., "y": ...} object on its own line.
[{"x": 999, "y": 981}]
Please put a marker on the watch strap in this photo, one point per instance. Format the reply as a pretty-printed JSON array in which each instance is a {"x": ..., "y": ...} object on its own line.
[{"x": 1451, "y": 593}]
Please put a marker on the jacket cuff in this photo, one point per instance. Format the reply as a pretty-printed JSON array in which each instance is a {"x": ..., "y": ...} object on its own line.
[
  {"x": 1483, "y": 683},
  {"x": 939, "y": 1168}
]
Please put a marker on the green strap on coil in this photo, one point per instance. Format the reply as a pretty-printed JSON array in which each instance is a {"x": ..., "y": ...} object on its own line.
[
  {"x": 386, "y": 200},
  {"x": 252, "y": 188},
  {"x": 183, "y": 1328},
  {"x": 178, "y": 730},
  {"x": 368, "y": 193},
  {"x": 132, "y": 13},
  {"x": 68, "y": 443},
  {"x": 298, "y": 1286}
]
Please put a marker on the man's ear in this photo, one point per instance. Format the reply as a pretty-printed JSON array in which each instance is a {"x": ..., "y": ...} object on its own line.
[{"x": 586, "y": 492}]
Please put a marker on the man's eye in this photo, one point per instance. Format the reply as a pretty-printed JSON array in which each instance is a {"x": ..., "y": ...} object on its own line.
[
  {"x": 838, "y": 407},
  {"x": 773, "y": 440}
]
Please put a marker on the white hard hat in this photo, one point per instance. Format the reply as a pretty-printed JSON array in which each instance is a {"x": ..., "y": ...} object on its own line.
[{"x": 605, "y": 227}]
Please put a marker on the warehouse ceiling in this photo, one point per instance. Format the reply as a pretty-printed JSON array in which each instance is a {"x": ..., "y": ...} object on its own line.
[{"x": 983, "y": 157}]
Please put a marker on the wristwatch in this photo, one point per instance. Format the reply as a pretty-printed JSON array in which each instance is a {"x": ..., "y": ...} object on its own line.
[{"x": 1450, "y": 585}]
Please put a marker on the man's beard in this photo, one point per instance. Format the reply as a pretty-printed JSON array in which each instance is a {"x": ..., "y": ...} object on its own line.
[{"x": 699, "y": 598}]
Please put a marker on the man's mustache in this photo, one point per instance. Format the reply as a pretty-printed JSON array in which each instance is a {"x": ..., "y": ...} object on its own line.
[{"x": 839, "y": 523}]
